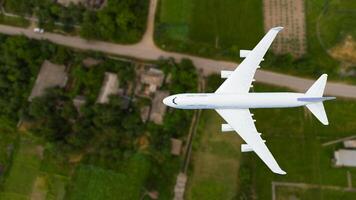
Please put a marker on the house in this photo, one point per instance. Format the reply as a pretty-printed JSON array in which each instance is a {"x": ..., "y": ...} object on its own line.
[
  {"x": 345, "y": 157},
  {"x": 109, "y": 87},
  {"x": 50, "y": 76},
  {"x": 150, "y": 81},
  {"x": 350, "y": 144},
  {"x": 158, "y": 108}
]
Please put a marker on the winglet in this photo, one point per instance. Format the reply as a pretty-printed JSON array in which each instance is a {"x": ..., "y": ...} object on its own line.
[
  {"x": 280, "y": 171},
  {"x": 278, "y": 28}
]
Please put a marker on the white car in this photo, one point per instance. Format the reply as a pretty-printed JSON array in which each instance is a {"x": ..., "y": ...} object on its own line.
[{"x": 38, "y": 30}]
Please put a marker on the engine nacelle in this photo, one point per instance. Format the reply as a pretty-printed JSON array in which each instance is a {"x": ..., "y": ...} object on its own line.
[
  {"x": 225, "y": 73},
  {"x": 226, "y": 128},
  {"x": 246, "y": 148},
  {"x": 244, "y": 53}
]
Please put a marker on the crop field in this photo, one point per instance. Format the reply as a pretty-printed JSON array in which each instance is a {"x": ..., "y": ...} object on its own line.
[
  {"x": 23, "y": 172},
  {"x": 295, "y": 138},
  {"x": 215, "y": 161},
  {"x": 92, "y": 182},
  {"x": 210, "y": 28}
]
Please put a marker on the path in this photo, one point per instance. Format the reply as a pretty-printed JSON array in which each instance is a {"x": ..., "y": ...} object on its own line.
[{"x": 146, "y": 50}]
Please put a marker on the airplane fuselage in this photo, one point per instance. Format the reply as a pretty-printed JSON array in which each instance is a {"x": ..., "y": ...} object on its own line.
[{"x": 235, "y": 101}]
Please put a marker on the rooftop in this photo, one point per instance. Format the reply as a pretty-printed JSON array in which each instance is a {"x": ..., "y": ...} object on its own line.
[
  {"x": 158, "y": 108},
  {"x": 110, "y": 87},
  {"x": 345, "y": 157},
  {"x": 51, "y": 75}
]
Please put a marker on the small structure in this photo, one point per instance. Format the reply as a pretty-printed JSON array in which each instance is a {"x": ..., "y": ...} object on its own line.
[
  {"x": 176, "y": 146},
  {"x": 144, "y": 113},
  {"x": 88, "y": 3},
  {"x": 89, "y": 62},
  {"x": 110, "y": 87},
  {"x": 50, "y": 75},
  {"x": 151, "y": 80},
  {"x": 78, "y": 102},
  {"x": 345, "y": 157},
  {"x": 350, "y": 144},
  {"x": 158, "y": 108},
  {"x": 179, "y": 188}
]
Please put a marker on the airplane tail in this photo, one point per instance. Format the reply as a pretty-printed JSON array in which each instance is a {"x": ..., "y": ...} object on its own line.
[{"x": 314, "y": 97}]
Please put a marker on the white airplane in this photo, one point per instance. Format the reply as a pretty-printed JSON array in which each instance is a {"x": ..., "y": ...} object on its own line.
[{"x": 232, "y": 100}]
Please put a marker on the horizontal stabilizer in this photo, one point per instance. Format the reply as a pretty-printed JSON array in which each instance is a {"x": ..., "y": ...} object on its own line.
[{"x": 319, "y": 112}]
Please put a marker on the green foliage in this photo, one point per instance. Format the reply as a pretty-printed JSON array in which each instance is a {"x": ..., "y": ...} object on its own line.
[
  {"x": 96, "y": 183},
  {"x": 119, "y": 21}
]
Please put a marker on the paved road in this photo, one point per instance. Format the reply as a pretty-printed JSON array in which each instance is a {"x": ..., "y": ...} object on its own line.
[{"x": 147, "y": 50}]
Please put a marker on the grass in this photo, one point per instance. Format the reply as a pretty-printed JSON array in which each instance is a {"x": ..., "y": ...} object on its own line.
[
  {"x": 215, "y": 161},
  {"x": 217, "y": 28},
  {"x": 14, "y": 21},
  {"x": 24, "y": 170},
  {"x": 295, "y": 138},
  {"x": 92, "y": 182}
]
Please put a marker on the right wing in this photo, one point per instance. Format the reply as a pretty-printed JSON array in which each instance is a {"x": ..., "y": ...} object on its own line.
[
  {"x": 240, "y": 80},
  {"x": 241, "y": 121}
]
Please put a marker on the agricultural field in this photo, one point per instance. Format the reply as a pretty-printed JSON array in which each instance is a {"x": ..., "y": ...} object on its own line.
[
  {"x": 26, "y": 179},
  {"x": 295, "y": 138},
  {"x": 216, "y": 28},
  {"x": 215, "y": 155},
  {"x": 90, "y": 182}
]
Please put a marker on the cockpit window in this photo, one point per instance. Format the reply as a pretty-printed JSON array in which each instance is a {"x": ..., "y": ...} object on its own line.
[{"x": 174, "y": 100}]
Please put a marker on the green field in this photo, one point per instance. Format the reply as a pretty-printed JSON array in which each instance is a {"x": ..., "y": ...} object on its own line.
[
  {"x": 295, "y": 137},
  {"x": 90, "y": 182},
  {"x": 215, "y": 161},
  {"x": 217, "y": 28},
  {"x": 24, "y": 170}
]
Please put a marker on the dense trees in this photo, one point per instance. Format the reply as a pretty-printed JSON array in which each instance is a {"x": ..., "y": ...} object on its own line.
[{"x": 120, "y": 20}]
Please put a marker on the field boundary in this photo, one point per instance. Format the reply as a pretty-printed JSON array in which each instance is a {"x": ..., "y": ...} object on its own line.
[{"x": 307, "y": 186}]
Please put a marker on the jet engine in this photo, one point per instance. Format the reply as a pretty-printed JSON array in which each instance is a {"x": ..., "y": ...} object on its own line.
[
  {"x": 226, "y": 128},
  {"x": 246, "y": 148}
]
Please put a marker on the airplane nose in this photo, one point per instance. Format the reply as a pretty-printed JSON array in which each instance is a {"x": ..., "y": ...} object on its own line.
[{"x": 167, "y": 101}]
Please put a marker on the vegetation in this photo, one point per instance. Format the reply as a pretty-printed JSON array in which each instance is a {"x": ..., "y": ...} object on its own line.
[
  {"x": 303, "y": 158},
  {"x": 119, "y": 21},
  {"x": 215, "y": 161},
  {"x": 209, "y": 28},
  {"x": 96, "y": 142}
]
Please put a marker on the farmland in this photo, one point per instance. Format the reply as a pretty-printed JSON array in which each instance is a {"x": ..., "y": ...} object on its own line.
[
  {"x": 295, "y": 138},
  {"x": 216, "y": 155},
  {"x": 217, "y": 28}
]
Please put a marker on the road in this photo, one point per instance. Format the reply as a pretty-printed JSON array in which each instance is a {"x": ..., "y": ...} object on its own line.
[{"x": 147, "y": 50}]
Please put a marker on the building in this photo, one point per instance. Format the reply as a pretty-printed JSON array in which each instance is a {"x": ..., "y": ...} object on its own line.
[
  {"x": 345, "y": 157},
  {"x": 176, "y": 146},
  {"x": 150, "y": 81},
  {"x": 90, "y": 62},
  {"x": 50, "y": 76},
  {"x": 110, "y": 87},
  {"x": 88, "y": 3},
  {"x": 350, "y": 144},
  {"x": 158, "y": 108},
  {"x": 78, "y": 102}
]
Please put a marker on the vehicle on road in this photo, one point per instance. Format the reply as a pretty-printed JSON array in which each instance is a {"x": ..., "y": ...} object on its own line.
[
  {"x": 38, "y": 30},
  {"x": 232, "y": 100}
]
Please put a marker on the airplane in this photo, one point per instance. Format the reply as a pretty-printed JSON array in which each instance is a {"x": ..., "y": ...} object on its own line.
[{"x": 233, "y": 101}]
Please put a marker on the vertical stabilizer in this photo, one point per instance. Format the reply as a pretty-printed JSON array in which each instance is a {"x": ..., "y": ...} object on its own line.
[{"x": 317, "y": 89}]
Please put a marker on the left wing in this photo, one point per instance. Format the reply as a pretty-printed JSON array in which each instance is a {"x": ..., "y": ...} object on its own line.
[
  {"x": 241, "y": 121},
  {"x": 240, "y": 80}
]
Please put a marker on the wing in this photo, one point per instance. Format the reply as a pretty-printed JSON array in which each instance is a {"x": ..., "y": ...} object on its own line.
[
  {"x": 240, "y": 80},
  {"x": 241, "y": 121}
]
